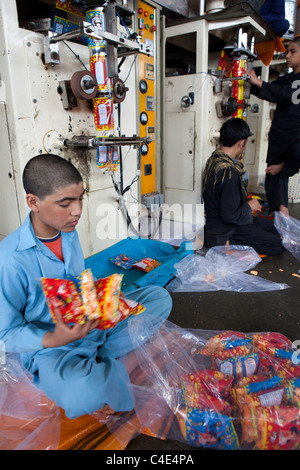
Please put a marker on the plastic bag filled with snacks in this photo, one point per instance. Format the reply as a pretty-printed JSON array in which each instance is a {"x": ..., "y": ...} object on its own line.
[
  {"x": 222, "y": 268},
  {"x": 81, "y": 298},
  {"x": 216, "y": 389}
]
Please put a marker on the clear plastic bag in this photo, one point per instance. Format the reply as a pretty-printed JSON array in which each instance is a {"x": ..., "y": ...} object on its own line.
[
  {"x": 217, "y": 389},
  {"x": 289, "y": 229},
  {"x": 28, "y": 420},
  {"x": 222, "y": 268}
]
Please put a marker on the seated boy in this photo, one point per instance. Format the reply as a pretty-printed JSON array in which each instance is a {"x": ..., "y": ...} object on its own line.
[
  {"x": 76, "y": 366},
  {"x": 229, "y": 218}
]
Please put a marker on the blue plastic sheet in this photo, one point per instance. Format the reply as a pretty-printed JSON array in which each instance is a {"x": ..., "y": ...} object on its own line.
[{"x": 139, "y": 248}]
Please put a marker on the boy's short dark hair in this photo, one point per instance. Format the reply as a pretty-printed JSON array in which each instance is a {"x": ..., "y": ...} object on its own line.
[
  {"x": 232, "y": 131},
  {"x": 46, "y": 173}
]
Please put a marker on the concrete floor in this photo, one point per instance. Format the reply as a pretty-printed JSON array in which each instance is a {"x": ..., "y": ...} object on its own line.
[{"x": 276, "y": 311}]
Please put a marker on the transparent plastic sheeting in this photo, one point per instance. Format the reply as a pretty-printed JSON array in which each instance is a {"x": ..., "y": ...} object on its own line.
[
  {"x": 216, "y": 389},
  {"x": 222, "y": 268},
  {"x": 208, "y": 389},
  {"x": 28, "y": 420},
  {"x": 289, "y": 229}
]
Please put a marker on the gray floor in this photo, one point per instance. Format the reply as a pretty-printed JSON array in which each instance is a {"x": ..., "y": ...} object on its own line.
[{"x": 276, "y": 311}]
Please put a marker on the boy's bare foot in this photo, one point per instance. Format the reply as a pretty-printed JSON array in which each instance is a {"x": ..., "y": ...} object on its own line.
[{"x": 274, "y": 169}]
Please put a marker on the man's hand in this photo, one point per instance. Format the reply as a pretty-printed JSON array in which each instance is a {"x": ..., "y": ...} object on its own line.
[
  {"x": 274, "y": 169},
  {"x": 254, "y": 80},
  {"x": 254, "y": 204},
  {"x": 64, "y": 333}
]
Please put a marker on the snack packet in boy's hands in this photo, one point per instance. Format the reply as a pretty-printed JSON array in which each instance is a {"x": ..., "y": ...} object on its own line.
[
  {"x": 89, "y": 295},
  {"x": 62, "y": 296},
  {"x": 123, "y": 261},
  {"x": 146, "y": 264},
  {"x": 129, "y": 307},
  {"x": 108, "y": 294}
]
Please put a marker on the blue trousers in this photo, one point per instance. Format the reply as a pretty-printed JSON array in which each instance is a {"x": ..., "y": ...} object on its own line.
[{"x": 83, "y": 376}]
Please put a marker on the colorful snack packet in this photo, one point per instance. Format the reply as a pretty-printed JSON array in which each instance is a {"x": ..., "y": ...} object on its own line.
[
  {"x": 227, "y": 353},
  {"x": 62, "y": 296},
  {"x": 240, "y": 366},
  {"x": 123, "y": 261},
  {"x": 292, "y": 392},
  {"x": 239, "y": 391},
  {"x": 147, "y": 264},
  {"x": 206, "y": 428},
  {"x": 195, "y": 397},
  {"x": 89, "y": 295},
  {"x": 277, "y": 427},
  {"x": 211, "y": 381},
  {"x": 108, "y": 294},
  {"x": 129, "y": 307},
  {"x": 222, "y": 341}
]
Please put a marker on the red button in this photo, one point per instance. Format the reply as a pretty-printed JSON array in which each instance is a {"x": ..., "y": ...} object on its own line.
[
  {"x": 153, "y": 28},
  {"x": 140, "y": 11}
]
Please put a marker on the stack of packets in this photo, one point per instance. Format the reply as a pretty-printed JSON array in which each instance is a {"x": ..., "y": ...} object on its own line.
[
  {"x": 81, "y": 298},
  {"x": 144, "y": 264},
  {"x": 248, "y": 399}
]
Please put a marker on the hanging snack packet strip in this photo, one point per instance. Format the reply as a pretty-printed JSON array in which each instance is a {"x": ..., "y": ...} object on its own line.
[
  {"x": 108, "y": 293},
  {"x": 62, "y": 296},
  {"x": 89, "y": 295}
]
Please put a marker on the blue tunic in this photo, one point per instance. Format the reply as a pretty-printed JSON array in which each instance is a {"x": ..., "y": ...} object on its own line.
[{"x": 73, "y": 375}]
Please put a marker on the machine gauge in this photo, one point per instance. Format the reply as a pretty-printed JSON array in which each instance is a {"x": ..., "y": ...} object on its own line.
[
  {"x": 143, "y": 118},
  {"x": 143, "y": 86},
  {"x": 144, "y": 149}
]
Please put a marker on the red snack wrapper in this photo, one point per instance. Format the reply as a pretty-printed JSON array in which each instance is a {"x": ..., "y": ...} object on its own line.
[
  {"x": 62, "y": 296},
  {"x": 278, "y": 427},
  {"x": 220, "y": 342},
  {"x": 211, "y": 381},
  {"x": 194, "y": 394},
  {"x": 129, "y": 307},
  {"x": 108, "y": 293},
  {"x": 147, "y": 264}
]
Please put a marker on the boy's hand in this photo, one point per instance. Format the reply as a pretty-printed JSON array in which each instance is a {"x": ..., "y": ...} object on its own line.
[
  {"x": 254, "y": 80},
  {"x": 64, "y": 333}
]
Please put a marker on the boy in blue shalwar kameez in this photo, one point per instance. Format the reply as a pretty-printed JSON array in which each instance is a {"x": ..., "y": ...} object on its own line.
[{"x": 76, "y": 366}]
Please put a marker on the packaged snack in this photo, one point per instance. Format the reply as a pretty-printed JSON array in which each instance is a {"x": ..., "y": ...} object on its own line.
[
  {"x": 232, "y": 352},
  {"x": 284, "y": 368},
  {"x": 147, "y": 264},
  {"x": 222, "y": 341},
  {"x": 195, "y": 396},
  {"x": 242, "y": 389},
  {"x": 264, "y": 341},
  {"x": 129, "y": 307},
  {"x": 62, "y": 296},
  {"x": 89, "y": 295},
  {"x": 108, "y": 294},
  {"x": 123, "y": 261},
  {"x": 277, "y": 427},
  {"x": 271, "y": 397},
  {"x": 292, "y": 392},
  {"x": 240, "y": 366},
  {"x": 207, "y": 429},
  {"x": 212, "y": 381}
]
